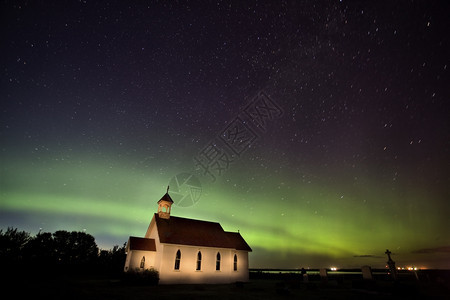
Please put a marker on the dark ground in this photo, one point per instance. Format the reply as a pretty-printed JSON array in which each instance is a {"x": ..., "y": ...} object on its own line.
[{"x": 284, "y": 287}]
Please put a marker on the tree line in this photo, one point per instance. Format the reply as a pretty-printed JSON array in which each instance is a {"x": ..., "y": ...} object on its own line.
[{"x": 58, "y": 252}]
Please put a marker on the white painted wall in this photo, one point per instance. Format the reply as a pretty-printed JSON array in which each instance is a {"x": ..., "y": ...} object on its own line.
[
  {"x": 134, "y": 257},
  {"x": 208, "y": 273}
]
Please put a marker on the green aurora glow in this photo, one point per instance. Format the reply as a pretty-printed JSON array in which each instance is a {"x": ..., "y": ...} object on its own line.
[{"x": 306, "y": 223}]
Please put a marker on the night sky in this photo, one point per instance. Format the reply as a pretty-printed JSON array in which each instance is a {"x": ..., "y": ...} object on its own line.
[{"x": 318, "y": 129}]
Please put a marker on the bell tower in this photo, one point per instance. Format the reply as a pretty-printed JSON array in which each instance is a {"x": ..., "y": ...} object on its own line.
[{"x": 164, "y": 205}]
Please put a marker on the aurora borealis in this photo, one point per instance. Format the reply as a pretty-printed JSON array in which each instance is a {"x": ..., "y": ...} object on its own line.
[{"x": 102, "y": 104}]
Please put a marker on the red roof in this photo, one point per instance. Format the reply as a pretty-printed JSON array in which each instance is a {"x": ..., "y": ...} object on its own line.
[
  {"x": 137, "y": 243},
  {"x": 238, "y": 241},
  {"x": 182, "y": 231}
]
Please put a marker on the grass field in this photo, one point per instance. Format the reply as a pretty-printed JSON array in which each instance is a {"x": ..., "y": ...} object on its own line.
[{"x": 71, "y": 288}]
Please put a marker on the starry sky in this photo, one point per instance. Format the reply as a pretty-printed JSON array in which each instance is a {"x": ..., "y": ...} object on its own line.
[{"x": 318, "y": 129}]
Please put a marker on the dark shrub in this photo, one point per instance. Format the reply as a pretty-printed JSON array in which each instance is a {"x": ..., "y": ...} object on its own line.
[{"x": 138, "y": 277}]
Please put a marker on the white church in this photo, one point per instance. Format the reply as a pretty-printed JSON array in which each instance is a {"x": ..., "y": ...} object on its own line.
[{"x": 188, "y": 251}]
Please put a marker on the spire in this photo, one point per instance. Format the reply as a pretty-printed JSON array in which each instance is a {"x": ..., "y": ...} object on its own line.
[{"x": 166, "y": 197}]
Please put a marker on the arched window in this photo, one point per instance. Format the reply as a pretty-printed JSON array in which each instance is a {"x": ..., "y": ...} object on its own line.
[
  {"x": 199, "y": 261},
  {"x": 142, "y": 262},
  {"x": 177, "y": 260},
  {"x": 235, "y": 263},
  {"x": 218, "y": 262}
]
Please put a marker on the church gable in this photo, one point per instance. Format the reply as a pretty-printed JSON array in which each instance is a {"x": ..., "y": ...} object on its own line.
[{"x": 152, "y": 231}]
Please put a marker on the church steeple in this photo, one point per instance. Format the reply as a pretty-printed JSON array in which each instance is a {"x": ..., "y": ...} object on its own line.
[{"x": 164, "y": 205}]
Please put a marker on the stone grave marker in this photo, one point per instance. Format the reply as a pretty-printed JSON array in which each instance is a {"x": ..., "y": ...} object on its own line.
[{"x": 367, "y": 273}]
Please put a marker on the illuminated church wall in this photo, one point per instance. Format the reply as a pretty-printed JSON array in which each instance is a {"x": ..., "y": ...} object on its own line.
[
  {"x": 134, "y": 259},
  {"x": 188, "y": 272}
]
